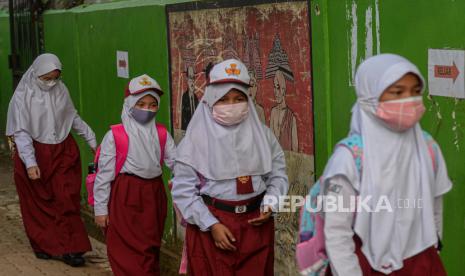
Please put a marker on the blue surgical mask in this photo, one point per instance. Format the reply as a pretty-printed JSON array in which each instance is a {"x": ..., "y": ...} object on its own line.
[{"x": 142, "y": 116}]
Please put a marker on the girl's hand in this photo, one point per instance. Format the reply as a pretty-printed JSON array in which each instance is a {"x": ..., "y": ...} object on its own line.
[
  {"x": 264, "y": 217},
  {"x": 33, "y": 173},
  {"x": 223, "y": 237},
  {"x": 102, "y": 221}
]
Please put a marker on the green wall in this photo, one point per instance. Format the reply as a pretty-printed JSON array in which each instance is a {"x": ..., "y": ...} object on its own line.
[
  {"x": 5, "y": 73},
  {"x": 408, "y": 28}
]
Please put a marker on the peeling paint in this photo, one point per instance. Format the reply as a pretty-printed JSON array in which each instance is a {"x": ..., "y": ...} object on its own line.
[
  {"x": 317, "y": 10},
  {"x": 436, "y": 107},
  {"x": 369, "y": 40},
  {"x": 378, "y": 37},
  {"x": 353, "y": 43},
  {"x": 368, "y": 33},
  {"x": 456, "y": 126}
]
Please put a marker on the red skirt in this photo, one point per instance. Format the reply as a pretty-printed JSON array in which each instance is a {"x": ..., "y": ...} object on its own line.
[
  {"x": 137, "y": 213},
  {"x": 255, "y": 246},
  {"x": 426, "y": 263},
  {"x": 50, "y": 206}
]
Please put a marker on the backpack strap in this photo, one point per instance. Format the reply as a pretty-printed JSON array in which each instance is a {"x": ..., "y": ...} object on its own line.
[
  {"x": 432, "y": 148},
  {"x": 122, "y": 146},
  {"x": 355, "y": 144},
  {"x": 97, "y": 155},
  {"x": 162, "y": 136}
]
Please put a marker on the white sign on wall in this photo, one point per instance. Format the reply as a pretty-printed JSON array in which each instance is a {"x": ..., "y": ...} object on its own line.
[
  {"x": 446, "y": 70},
  {"x": 122, "y": 64}
]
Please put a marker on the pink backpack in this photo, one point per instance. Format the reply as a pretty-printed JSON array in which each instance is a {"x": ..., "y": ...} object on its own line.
[{"x": 122, "y": 145}]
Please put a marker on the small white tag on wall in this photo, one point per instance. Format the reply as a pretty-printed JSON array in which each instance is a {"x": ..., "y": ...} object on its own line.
[
  {"x": 446, "y": 70},
  {"x": 122, "y": 64}
]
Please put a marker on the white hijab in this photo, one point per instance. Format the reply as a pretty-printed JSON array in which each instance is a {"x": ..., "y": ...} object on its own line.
[
  {"x": 225, "y": 152},
  {"x": 396, "y": 165},
  {"x": 144, "y": 147},
  {"x": 47, "y": 115}
]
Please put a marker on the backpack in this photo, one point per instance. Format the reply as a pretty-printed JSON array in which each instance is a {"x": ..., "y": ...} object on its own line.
[
  {"x": 311, "y": 256},
  {"x": 122, "y": 145}
]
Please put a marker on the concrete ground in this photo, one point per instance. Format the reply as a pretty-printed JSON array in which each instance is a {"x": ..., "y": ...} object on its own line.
[{"x": 16, "y": 257}]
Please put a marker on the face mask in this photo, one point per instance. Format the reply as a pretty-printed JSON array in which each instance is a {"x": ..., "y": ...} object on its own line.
[
  {"x": 400, "y": 115},
  {"x": 46, "y": 85},
  {"x": 142, "y": 116},
  {"x": 230, "y": 114}
]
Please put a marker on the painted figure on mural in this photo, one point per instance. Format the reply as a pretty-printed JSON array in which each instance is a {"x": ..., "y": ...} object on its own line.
[
  {"x": 283, "y": 121},
  {"x": 189, "y": 99},
  {"x": 253, "y": 93}
]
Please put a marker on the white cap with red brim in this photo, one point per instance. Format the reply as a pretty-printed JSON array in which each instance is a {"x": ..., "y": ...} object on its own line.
[
  {"x": 230, "y": 71},
  {"x": 141, "y": 84}
]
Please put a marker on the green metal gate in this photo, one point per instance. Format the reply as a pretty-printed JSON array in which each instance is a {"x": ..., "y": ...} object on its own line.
[{"x": 26, "y": 35}]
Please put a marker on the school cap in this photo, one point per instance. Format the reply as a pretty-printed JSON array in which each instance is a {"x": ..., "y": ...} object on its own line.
[
  {"x": 231, "y": 70},
  {"x": 141, "y": 84}
]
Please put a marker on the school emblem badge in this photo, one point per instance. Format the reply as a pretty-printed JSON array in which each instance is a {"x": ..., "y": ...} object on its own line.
[
  {"x": 145, "y": 81},
  {"x": 232, "y": 70},
  {"x": 244, "y": 179},
  {"x": 244, "y": 185}
]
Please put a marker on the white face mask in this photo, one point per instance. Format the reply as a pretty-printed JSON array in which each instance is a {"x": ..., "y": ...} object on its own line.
[
  {"x": 230, "y": 114},
  {"x": 46, "y": 85}
]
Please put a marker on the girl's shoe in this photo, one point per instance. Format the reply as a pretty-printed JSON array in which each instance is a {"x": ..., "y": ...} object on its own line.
[
  {"x": 42, "y": 256},
  {"x": 74, "y": 260}
]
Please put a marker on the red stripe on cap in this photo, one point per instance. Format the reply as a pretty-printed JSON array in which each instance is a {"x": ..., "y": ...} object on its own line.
[
  {"x": 158, "y": 91},
  {"x": 229, "y": 81}
]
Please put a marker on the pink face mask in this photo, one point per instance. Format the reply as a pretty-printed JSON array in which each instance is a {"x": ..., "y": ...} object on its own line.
[
  {"x": 400, "y": 115},
  {"x": 230, "y": 114}
]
